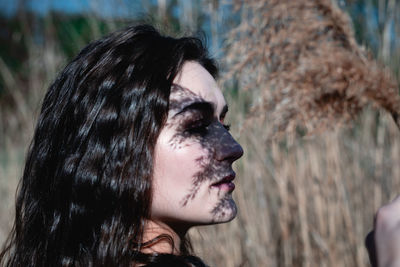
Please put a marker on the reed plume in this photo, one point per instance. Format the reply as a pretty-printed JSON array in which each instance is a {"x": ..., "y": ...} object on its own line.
[{"x": 303, "y": 63}]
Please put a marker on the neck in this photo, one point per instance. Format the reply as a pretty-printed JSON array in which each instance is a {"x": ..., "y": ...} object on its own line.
[{"x": 156, "y": 230}]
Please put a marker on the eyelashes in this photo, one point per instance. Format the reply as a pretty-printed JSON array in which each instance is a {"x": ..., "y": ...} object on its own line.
[
  {"x": 201, "y": 127},
  {"x": 198, "y": 127}
]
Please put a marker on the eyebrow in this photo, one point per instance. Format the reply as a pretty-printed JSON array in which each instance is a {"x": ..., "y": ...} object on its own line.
[{"x": 203, "y": 106}]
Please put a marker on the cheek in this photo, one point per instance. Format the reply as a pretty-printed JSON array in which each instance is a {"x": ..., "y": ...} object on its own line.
[
  {"x": 173, "y": 178},
  {"x": 175, "y": 168},
  {"x": 181, "y": 182}
]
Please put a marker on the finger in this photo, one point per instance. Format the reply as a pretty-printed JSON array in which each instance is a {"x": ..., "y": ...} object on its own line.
[{"x": 396, "y": 199}]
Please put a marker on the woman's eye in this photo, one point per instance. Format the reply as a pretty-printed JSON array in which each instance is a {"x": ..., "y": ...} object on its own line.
[
  {"x": 198, "y": 127},
  {"x": 227, "y": 127}
]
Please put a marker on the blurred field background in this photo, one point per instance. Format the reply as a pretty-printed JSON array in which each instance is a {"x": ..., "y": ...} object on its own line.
[{"x": 304, "y": 200}]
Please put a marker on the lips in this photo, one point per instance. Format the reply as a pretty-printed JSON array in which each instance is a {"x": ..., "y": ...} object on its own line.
[{"x": 225, "y": 183}]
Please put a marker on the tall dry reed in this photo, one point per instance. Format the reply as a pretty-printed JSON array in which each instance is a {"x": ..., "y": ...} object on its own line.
[
  {"x": 19, "y": 106},
  {"x": 310, "y": 203},
  {"x": 306, "y": 70},
  {"x": 306, "y": 201},
  {"x": 21, "y": 101}
]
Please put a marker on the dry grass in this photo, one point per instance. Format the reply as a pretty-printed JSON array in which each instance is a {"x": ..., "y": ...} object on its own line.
[
  {"x": 306, "y": 70},
  {"x": 310, "y": 203},
  {"x": 306, "y": 201},
  {"x": 302, "y": 201},
  {"x": 19, "y": 109}
]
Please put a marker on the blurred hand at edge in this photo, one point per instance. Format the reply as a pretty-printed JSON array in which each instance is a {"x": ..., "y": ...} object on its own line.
[{"x": 383, "y": 243}]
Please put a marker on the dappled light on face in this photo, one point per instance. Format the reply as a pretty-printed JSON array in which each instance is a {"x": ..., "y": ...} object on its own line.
[
  {"x": 225, "y": 207},
  {"x": 196, "y": 125}
]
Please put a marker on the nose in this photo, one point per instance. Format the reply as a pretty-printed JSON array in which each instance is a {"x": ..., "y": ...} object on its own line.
[{"x": 227, "y": 148}]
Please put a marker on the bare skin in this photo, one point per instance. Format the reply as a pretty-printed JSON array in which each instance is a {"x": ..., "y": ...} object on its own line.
[
  {"x": 385, "y": 251},
  {"x": 154, "y": 230},
  {"x": 193, "y": 175}
]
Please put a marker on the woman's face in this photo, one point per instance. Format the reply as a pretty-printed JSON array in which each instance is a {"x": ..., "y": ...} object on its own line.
[{"x": 193, "y": 176}]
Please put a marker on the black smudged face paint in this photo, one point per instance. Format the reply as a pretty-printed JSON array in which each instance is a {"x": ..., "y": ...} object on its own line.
[{"x": 195, "y": 123}]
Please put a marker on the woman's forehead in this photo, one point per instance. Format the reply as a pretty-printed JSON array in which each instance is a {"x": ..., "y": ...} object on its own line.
[{"x": 195, "y": 83}]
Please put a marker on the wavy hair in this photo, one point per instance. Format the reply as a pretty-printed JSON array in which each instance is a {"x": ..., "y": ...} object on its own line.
[{"x": 86, "y": 189}]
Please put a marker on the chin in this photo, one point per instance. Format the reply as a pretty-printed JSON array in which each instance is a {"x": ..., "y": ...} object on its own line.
[{"x": 224, "y": 211}]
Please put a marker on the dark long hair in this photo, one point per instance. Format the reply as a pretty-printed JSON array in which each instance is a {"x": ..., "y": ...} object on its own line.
[{"x": 86, "y": 189}]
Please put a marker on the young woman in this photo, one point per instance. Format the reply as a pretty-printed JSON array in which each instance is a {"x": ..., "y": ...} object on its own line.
[{"x": 129, "y": 152}]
